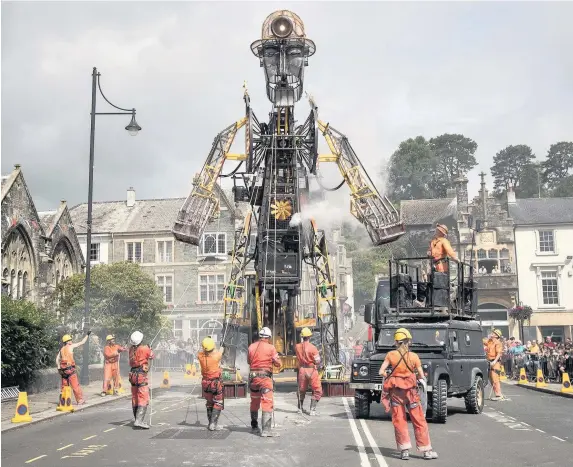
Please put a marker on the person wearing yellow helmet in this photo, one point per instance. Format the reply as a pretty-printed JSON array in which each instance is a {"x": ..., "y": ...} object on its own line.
[
  {"x": 212, "y": 384},
  {"x": 111, "y": 377},
  {"x": 494, "y": 352},
  {"x": 67, "y": 365},
  {"x": 400, "y": 392},
  {"x": 308, "y": 360}
]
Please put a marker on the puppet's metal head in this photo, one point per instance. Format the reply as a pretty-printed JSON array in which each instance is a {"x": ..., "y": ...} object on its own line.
[{"x": 283, "y": 51}]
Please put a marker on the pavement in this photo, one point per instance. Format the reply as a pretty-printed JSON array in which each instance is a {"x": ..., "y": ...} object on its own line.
[
  {"x": 42, "y": 406},
  {"x": 551, "y": 388},
  {"x": 530, "y": 429}
]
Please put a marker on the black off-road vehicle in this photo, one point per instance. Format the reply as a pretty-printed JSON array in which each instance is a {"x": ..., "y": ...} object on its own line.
[{"x": 440, "y": 314}]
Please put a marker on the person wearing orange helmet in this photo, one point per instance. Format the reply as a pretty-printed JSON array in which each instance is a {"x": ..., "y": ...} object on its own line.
[
  {"x": 441, "y": 249},
  {"x": 308, "y": 360},
  {"x": 400, "y": 392}
]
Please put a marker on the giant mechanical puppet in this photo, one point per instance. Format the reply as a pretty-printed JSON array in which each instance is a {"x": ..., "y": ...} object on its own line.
[{"x": 280, "y": 159}]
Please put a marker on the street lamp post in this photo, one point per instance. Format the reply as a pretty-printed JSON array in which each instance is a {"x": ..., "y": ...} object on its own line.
[{"x": 133, "y": 128}]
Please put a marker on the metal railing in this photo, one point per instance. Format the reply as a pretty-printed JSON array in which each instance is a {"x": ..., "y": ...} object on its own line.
[
  {"x": 10, "y": 393},
  {"x": 551, "y": 366}
]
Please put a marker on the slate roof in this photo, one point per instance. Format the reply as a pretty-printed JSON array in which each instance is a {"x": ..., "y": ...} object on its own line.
[
  {"x": 47, "y": 218},
  {"x": 531, "y": 211},
  {"x": 426, "y": 211}
]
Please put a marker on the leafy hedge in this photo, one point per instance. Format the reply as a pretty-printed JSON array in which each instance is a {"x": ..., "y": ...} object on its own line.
[{"x": 29, "y": 342}]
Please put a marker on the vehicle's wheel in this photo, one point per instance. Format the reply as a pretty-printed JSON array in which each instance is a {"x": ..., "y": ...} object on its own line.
[
  {"x": 362, "y": 404},
  {"x": 440, "y": 402},
  {"x": 475, "y": 397}
]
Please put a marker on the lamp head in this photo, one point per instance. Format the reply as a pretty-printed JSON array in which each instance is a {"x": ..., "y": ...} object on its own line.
[{"x": 133, "y": 128}]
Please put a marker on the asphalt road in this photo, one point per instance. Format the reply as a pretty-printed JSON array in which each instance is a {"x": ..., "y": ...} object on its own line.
[{"x": 532, "y": 429}]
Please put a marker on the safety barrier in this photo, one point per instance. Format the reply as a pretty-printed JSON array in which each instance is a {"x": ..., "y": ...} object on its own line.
[
  {"x": 10, "y": 393},
  {"x": 166, "y": 360},
  {"x": 552, "y": 367}
]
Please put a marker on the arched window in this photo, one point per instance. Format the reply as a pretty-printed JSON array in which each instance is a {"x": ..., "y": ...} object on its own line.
[
  {"x": 481, "y": 254},
  {"x": 25, "y": 285},
  {"x": 19, "y": 291},
  {"x": 492, "y": 254},
  {"x": 504, "y": 253},
  {"x": 5, "y": 281},
  {"x": 13, "y": 285}
]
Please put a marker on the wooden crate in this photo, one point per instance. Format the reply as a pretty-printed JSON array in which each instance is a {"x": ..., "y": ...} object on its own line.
[
  {"x": 234, "y": 390},
  {"x": 337, "y": 389}
]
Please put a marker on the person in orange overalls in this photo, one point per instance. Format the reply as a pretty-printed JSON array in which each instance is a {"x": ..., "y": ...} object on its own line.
[
  {"x": 139, "y": 356},
  {"x": 493, "y": 354},
  {"x": 400, "y": 391},
  {"x": 440, "y": 249},
  {"x": 262, "y": 356},
  {"x": 67, "y": 366},
  {"x": 308, "y": 360},
  {"x": 212, "y": 384},
  {"x": 111, "y": 378}
]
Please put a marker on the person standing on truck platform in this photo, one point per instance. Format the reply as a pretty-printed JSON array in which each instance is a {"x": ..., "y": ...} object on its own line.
[
  {"x": 494, "y": 353},
  {"x": 441, "y": 249},
  {"x": 400, "y": 391}
]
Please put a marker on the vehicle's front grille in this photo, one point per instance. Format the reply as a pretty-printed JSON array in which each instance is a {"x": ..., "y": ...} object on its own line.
[{"x": 374, "y": 370}]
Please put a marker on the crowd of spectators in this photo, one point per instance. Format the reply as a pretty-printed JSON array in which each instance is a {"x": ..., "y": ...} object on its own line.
[{"x": 553, "y": 358}]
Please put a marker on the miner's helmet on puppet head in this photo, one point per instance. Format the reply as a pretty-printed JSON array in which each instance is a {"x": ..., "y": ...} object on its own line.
[{"x": 283, "y": 51}]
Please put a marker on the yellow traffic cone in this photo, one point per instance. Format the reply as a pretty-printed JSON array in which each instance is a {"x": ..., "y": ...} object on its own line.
[
  {"x": 165, "y": 382},
  {"x": 193, "y": 370},
  {"x": 65, "y": 403},
  {"x": 188, "y": 372},
  {"x": 22, "y": 410},
  {"x": 502, "y": 375},
  {"x": 566, "y": 384},
  {"x": 522, "y": 377},
  {"x": 109, "y": 390},
  {"x": 540, "y": 380}
]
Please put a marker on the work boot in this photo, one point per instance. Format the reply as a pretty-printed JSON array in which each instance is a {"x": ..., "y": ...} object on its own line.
[
  {"x": 496, "y": 398},
  {"x": 255, "y": 420},
  {"x": 213, "y": 426},
  {"x": 103, "y": 394},
  {"x": 209, "y": 415},
  {"x": 140, "y": 417},
  {"x": 300, "y": 405},
  {"x": 428, "y": 455},
  {"x": 313, "y": 407},
  {"x": 134, "y": 411},
  {"x": 405, "y": 455},
  {"x": 266, "y": 426}
]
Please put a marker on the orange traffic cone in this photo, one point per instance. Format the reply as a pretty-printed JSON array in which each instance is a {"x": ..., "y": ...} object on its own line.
[
  {"x": 65, "y": 403},
  {"x": 540, "y": 380},
  {"x": 22, "y": 410},
  {"x": 522, "y": 377},
  {"x": 165, "y": 382},
  {"x": 566, "y": 384}
]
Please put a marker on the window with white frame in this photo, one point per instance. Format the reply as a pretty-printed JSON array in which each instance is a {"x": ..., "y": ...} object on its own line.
[
  {"x": 211, "y": 287},
  {"x": 546, "y": 241},
  {"x": 94, "y": 252},
  {"x": 134, "y": 252},
  {"x": 213, "y": 244},
  {"x": 165, "y": 283},
  {"x": 178, "y": 328},
  {"x": 549, "y": 288},
  {"x": 165, "y": 251}
]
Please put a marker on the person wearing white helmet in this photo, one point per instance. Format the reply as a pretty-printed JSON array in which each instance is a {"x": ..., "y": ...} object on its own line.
[
  {"x": 308, "y": 360},
  {"x": 262, "y": 356},
  {"x": 139, "y": 356}
]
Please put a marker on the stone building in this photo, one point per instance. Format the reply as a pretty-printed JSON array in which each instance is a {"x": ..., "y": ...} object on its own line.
[
  {"x": 491, "y": 251},
  {"x": 192, "y": 278},
  {"x": 38, "y": 248}
]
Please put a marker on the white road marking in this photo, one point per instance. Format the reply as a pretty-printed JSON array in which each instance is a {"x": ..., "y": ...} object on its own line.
[
  {"x": 109, "y": 429},
  {"x": 559, "y": 438},
  {"x": 364, "y": 462},
  {"x": 526, "y": 424},
  {"x": 35, "y": 458},
  {"x": 540, "y": 431},
  {"x": 64, "y": 447},
  {"x": 89, "y": 437},
  {"x": 373, "y": 444}
]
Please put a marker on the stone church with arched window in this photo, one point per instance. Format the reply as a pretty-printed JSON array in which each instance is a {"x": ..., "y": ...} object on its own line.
[{"x": 39, "y": 249}]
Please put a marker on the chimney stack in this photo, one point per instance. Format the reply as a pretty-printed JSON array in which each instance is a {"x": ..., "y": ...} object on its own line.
[
  {"x": 510, "y": 195},
  {"x": 130, "y": 197}
]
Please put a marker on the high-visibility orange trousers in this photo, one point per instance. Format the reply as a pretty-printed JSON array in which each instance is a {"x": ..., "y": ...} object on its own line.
[
  {"x": 139, "y": 389},
  {"x": 400, "y": 398},
  {"x": 110, "y": 376},
  {"x": 308, "y": 376},
  {"x": 261, "y": 394},
  {"x": 494, "y": 373},
  {"x": 74, "y": 382},
  {"x": 213, "y": 393}
]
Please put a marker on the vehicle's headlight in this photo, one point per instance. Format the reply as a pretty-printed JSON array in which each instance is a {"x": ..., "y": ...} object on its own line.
[
  {"x": 363, "y": 371},
  {"x": 425, "y": 366}
]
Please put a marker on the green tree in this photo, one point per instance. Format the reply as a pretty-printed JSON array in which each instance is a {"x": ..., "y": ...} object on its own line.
[
  {"x": 532, "y": 184},
  {"x": 411, "y": 168},
  {"x": 29, "y": 341},
  {"x": 509, "y": 165},
  {"x": 455, "y": 155},
  {"x": 123, "y": 298},
  {"x": 558, "y": 168}
]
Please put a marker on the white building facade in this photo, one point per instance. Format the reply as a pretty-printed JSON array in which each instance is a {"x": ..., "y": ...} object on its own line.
[{"x": 544, "y": 251}]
